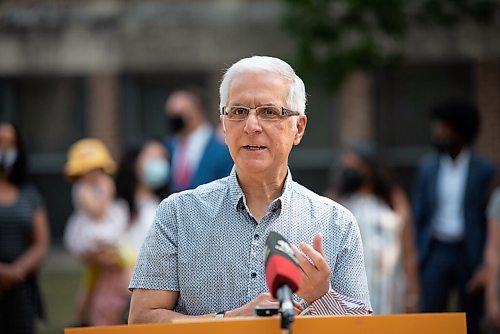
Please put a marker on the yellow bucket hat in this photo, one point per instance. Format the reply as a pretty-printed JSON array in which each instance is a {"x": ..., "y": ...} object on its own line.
[{"x": 86, "y": 155}]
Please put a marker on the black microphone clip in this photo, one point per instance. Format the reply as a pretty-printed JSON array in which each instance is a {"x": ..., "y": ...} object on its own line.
[{"x": 284, "y": 295}]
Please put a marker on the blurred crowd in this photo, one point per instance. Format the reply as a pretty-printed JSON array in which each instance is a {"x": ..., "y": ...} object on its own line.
[{"x": 424, "y": 251}]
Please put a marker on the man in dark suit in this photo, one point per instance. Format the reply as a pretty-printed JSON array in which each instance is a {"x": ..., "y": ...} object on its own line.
[
  {"x": 449, "y": 205},
  {"x": 198, "y": 155}
]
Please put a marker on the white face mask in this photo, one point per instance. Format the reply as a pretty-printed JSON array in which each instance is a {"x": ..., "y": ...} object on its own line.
[
  {"x": 7, "y": 159},
  {"x": 155, "y": 173}
]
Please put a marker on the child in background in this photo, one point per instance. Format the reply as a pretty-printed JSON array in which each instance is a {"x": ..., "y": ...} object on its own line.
[{"x": 94, "y": 234}]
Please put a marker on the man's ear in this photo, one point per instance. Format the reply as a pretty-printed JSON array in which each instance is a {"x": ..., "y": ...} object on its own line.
[
  {"x": 221, "y": 118},
  {"x": 301, "y": 128}
]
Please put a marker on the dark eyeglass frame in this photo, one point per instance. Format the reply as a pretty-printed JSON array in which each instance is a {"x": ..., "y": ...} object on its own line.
[{"x": 284, "y": 112}]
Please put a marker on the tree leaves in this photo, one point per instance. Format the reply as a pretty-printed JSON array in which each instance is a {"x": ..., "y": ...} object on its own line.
[{"x": 336, "y": 37}]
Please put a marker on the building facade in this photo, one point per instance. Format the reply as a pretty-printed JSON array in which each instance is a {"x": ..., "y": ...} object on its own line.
[{"x": 73, "y": 69}]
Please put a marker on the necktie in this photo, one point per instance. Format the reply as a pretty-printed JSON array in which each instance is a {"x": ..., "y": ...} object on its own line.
[{"x": 183, "y": 173}]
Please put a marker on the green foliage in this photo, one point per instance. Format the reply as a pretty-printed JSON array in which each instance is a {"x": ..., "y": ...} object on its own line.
[
  {"x": 452, "y": 12},
  {"x": 336, "y": 37}
]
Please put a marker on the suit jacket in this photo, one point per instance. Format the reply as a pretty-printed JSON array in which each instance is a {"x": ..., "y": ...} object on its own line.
[
  {"x": 479, "y": 180},
  {"x": 215, "y": 162}
]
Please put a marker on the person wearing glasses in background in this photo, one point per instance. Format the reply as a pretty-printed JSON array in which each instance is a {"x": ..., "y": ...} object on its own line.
[{"x": 204, "y": 254}]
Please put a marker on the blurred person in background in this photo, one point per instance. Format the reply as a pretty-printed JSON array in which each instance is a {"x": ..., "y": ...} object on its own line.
[
  {"x": 94, "y": 233},
  {"x": 24, "y": 237},
  {"x": 198, "y": 155},
  {"x": 449, "y": 205},
  {"x": 493, "y": 261},
  {"x": 383, "y": 213},
  {"x": 142, "y": 181}
]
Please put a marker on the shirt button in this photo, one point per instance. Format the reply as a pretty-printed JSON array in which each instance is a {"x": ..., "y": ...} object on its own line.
[
  {"x": 253, "y": 275},
  {"x": 256, "y": 236}
]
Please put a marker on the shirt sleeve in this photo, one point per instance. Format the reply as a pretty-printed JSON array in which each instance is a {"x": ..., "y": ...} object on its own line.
[
  {"x": 348, "y": 294},
  {"x": 333, "y": 303},
  {"x": 494, "y": 205},
  {"x": 156, "y": 267},
  {"x": 36, "y": 200}
]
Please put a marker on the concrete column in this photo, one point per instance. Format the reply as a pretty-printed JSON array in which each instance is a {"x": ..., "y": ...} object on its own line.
[
  {"x": 212, "y": 92},
  {"x": 103, "y": 114},
  {"x": 356, "y": 109},
  {"x": 487, "y": 84},
  {"x": 213, "y": 83}
]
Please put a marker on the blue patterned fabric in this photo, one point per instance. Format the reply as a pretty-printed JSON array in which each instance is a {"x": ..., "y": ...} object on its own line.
[{"x": 205, "y": 244}]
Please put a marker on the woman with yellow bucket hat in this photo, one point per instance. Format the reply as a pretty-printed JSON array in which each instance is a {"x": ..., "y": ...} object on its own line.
[{"x": 94, "y": 234}]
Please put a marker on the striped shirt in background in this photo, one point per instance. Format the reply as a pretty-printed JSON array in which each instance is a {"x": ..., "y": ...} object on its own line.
[{"x": 20, "y": 305}]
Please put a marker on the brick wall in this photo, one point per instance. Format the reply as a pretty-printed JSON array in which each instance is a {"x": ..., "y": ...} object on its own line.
[
  {"x": 103, "y": 112},
  {"x": 487, "y": 82},
  {"x": 356, "y": 109}
]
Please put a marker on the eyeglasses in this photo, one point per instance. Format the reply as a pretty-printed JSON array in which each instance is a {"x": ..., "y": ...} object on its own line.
[{"x": 264, "y": 113}]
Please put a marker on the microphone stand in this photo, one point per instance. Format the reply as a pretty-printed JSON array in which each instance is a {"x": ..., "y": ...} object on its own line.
[{"x": 284, "y": 295}]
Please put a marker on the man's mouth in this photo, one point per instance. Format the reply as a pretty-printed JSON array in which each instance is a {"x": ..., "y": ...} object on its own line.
[{"x": 254, "y": 147}]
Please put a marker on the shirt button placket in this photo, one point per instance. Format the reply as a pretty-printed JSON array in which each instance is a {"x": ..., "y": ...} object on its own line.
[{"x": 255, "y": 259}]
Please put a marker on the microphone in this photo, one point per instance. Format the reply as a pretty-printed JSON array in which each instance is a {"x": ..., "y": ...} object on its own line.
[{"x": 282, "y": 274}]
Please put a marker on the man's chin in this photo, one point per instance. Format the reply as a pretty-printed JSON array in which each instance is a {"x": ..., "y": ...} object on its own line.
[{"x": 254, "y": 167}]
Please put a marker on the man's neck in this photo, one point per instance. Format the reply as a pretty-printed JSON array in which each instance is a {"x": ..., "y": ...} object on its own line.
[
  {"x": 190, "y": 130},
  {"x": 184, "y": 135},
  {"x": 261, "y": 190},
  {"x": 366, "y": 190},
  {"x": 456, "y": 153}
]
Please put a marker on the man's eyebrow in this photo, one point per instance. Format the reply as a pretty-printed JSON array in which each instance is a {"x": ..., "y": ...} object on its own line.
[{"x": 259, "y": 105}]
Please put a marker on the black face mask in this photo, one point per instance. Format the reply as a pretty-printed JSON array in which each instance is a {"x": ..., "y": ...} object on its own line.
[
  {"x": 176, "y": 123},
  {"x": 350, "y": 180}
]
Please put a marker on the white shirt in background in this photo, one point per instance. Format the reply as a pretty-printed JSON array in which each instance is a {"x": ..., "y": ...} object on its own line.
[
  {"x": 448, "y": 221},
  {"x": 381, "y": 230},
  {"x": 139, "y": 228},
  {"x": 195, "y": 147}
]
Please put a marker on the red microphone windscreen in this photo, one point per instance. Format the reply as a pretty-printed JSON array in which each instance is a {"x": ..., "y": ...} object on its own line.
[{"x": 279, "y": 271}]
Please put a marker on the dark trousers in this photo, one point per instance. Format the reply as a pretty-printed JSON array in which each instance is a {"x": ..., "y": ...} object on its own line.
[
  {"x": 445, "y": 269},
  {"x": 17, "y": 315}
]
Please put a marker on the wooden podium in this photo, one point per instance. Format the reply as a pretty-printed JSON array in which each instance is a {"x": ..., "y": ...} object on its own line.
[{"x": 431, "y": 323}]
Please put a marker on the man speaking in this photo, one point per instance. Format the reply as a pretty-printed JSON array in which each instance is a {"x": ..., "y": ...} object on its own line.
[{"x": 204, "y": 253}]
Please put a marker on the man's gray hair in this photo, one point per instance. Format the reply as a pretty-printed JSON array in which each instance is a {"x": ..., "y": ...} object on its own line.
[{"x": 296, "y": 99}]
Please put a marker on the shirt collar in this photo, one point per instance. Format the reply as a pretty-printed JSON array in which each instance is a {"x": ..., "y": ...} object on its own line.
[
  {"x": 201, "y": 133},
  {"x": 198, "y": 137},
  {"x": 238, "y": 197},
  {"x": 462, "y": 159}
]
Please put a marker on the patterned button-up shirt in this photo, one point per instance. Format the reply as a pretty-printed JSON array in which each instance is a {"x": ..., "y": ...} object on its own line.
[{"x": 205, "y": 244}]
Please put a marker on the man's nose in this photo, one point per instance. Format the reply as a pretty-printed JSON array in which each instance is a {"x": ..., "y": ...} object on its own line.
[{"x": 252, "y": 123}]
